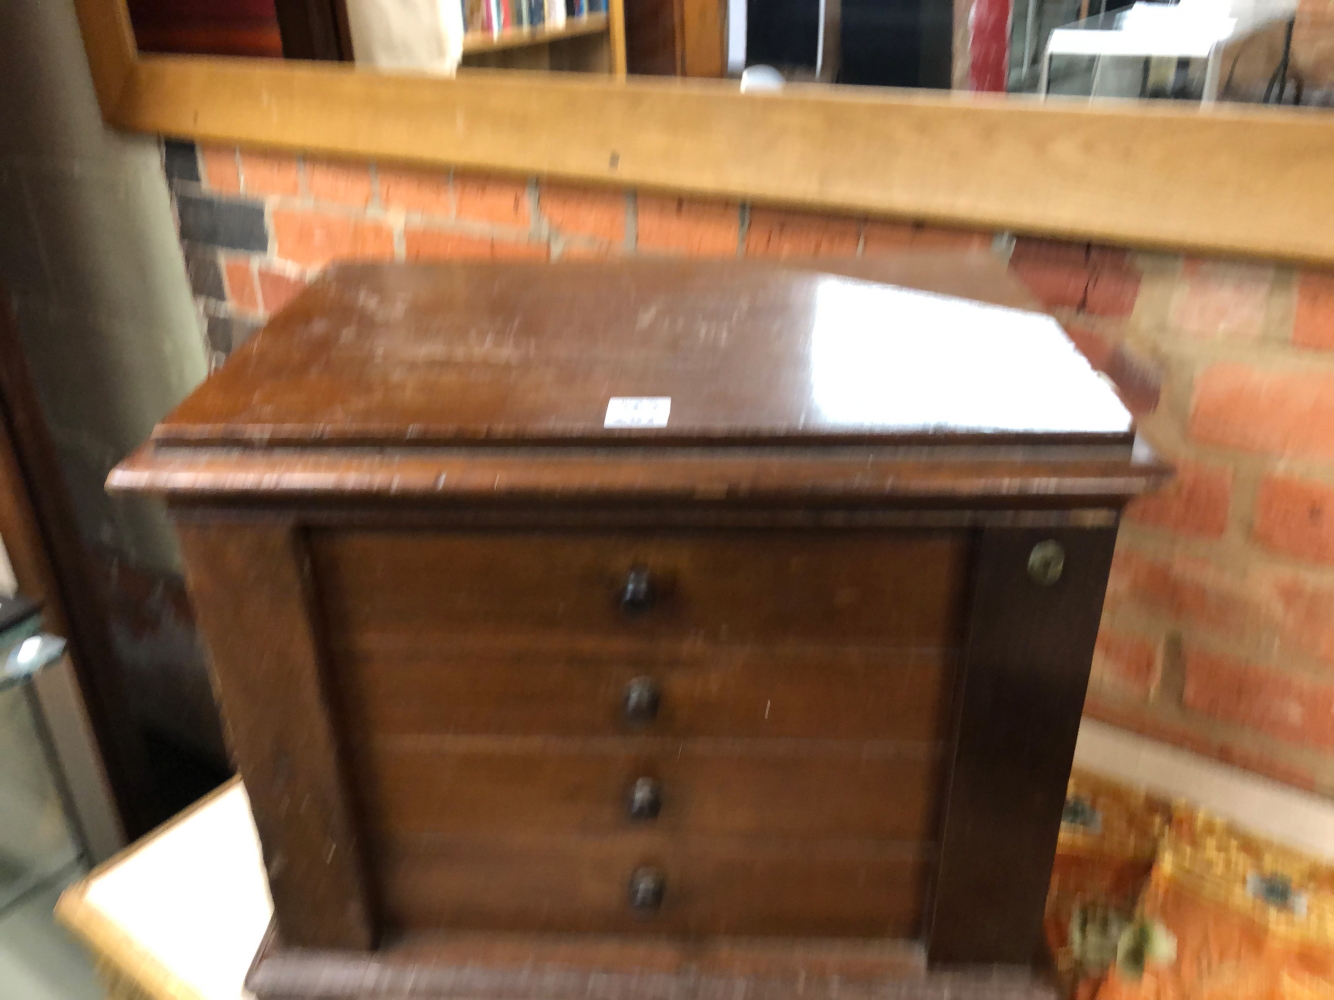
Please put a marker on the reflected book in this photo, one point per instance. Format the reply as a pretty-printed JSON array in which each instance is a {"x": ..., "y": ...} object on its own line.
[{"x": 475, "y": 16}]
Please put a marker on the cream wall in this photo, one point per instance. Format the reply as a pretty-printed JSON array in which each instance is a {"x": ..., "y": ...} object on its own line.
[{"x": 90, "y": 256}]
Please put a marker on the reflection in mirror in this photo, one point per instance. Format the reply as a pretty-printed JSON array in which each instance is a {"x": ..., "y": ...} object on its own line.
[
  {"x": 883, "y": 43},
  {"x": 421, "y": 35},
  {"x": 207, "y": 27},
  {"x": 1202, "y": 51},
  {"x": 1194, "y": 50},
  {"x": 1255, "y": 51}
]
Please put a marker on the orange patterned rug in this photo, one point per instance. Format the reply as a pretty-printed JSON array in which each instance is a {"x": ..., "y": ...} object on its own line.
[{"x": 1154, "y": 900}]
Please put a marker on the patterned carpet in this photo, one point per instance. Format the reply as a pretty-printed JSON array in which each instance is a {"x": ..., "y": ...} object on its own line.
[{"x": 1154, "y": 900}]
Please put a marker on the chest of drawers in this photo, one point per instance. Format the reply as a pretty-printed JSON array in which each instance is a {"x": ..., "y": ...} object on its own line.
[{"x": 686, "y": 618}]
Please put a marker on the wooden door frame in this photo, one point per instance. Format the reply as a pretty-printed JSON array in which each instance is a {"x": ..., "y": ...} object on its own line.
[{"x": 51, "y": 565}]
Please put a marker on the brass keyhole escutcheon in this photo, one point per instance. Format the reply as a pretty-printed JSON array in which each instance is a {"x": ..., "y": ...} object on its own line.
[{"x": 1046, "y": 563}]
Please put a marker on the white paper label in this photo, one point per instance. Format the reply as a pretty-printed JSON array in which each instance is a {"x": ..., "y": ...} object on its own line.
[{"x": 638, "y": 411}]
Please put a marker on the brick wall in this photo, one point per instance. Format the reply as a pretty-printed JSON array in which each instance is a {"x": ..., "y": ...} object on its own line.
[{"x": 1219, "y": 626}]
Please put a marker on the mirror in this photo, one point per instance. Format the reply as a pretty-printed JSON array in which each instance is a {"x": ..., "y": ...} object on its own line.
[
  {"x": 1254, "y": 51},
  {"x": 1275, "y": 52},
  {"x": 420, "y": 35}
]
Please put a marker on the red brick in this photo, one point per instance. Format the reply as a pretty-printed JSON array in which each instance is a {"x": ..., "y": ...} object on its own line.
[
  {"x": 700, "y": 228},
  {"x": 1313, "y": 325},
  {"x": 584, "y": 251},
  {"x": 892, "y": 237},
  {"x": 416, "y": 191},
  {"x": 1111, "y": 292},
  {"x": 887, "y": 237},
  {"x": 491, "y": 199},
  {"x": 1099, "y": 351},
  {"x": 1305, "y": 604},
  {"x": 1039, "y": 251},
  {"x": 1126, "y": 661},
  {"x": 584, "y": 212},
  {"x": 276, "y": 290},
  {"x": 1283, "y": 412},
  {"x": 1294, "y": 709},
  {"x": 1103, "y": 257},
  {"x": 1296, "y": 516},
  {"x": 437, "y": 244},
  {"x": 221, "y": 172},
  {"x": 1053, "y": 284},
  {"x": 1196, "y": 502},
  {"x": 270, "y": 173},
  {"x": 1028, "y": 249},
  {"x": 800, "y": 234},
  {"x": 1214, "y": 300},
  {"x": 340, "y": 183},
  {"x": 312, "y": 239},
  {"x": 1285, "y": 611},
  {"x": 241, "y": 291},
  {"x": 1239, "y": 752},
  {"x": 938, "y": 238},
  {"x": 1188, "y": 590}
]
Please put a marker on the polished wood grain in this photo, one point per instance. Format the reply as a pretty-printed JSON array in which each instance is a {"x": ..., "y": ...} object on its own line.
[
  {"x": 652, "y": 37},
  {"x": 418, "y": 789},
  {"x": 954, "y": 479},
  {"x": 713, "y": 886},
  {"x": 1026, "y": 668},
  {"x": 985, "y": 161},
  {"x": 435, "y": 513},
  {"x": 492, "y": 966},
  {"x": 506, "y": 963},
  {"x": 755, "y": 692},
  {"x": 616, "y": 38},
  {"x": 250, "y": 590},
  {"x": 704, "y": 37},
  {"x": 965, "y": 475},
  {"x": 424, "y": 590},
  {"x": 745, "y": 352},
  {"x": 676, "y": 37}
]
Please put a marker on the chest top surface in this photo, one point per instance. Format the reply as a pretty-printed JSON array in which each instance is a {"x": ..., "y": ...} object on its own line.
[{"x": 464, "y": 354}]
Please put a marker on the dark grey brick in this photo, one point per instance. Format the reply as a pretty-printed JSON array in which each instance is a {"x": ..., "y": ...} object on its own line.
[
  {"x": 201, "y": 263},
  {"x": 227, "y": 333},
  {"x": 181, "y": 160},
  {"x": 218, "y": 222}
]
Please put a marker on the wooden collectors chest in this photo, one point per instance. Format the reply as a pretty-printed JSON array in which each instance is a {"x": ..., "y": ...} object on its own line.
[{"x": 695, "y": 618}]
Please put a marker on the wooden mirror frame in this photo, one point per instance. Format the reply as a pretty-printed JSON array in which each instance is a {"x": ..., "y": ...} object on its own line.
[{"x": 1230, "y": 179}]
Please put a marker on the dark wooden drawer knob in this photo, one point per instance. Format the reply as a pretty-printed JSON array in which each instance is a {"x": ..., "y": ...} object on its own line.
[
  {"x": 645, "y": 799},
  {"x": 647, "y": 887},
  {"x": 637, "y": 594},
  {"x": 642, "y": 698}
]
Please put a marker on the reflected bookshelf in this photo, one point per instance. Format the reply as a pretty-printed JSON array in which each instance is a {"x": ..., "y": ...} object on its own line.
[{"x": 583, "y": 36}]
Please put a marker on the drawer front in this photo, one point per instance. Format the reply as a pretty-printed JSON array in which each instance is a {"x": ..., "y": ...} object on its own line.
[
  {"x": 708, "y": 887},
  {"x": 734, "y": 587},
  {"x": 419, "y": 789},
  {"x": 411, "y": 689}
]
